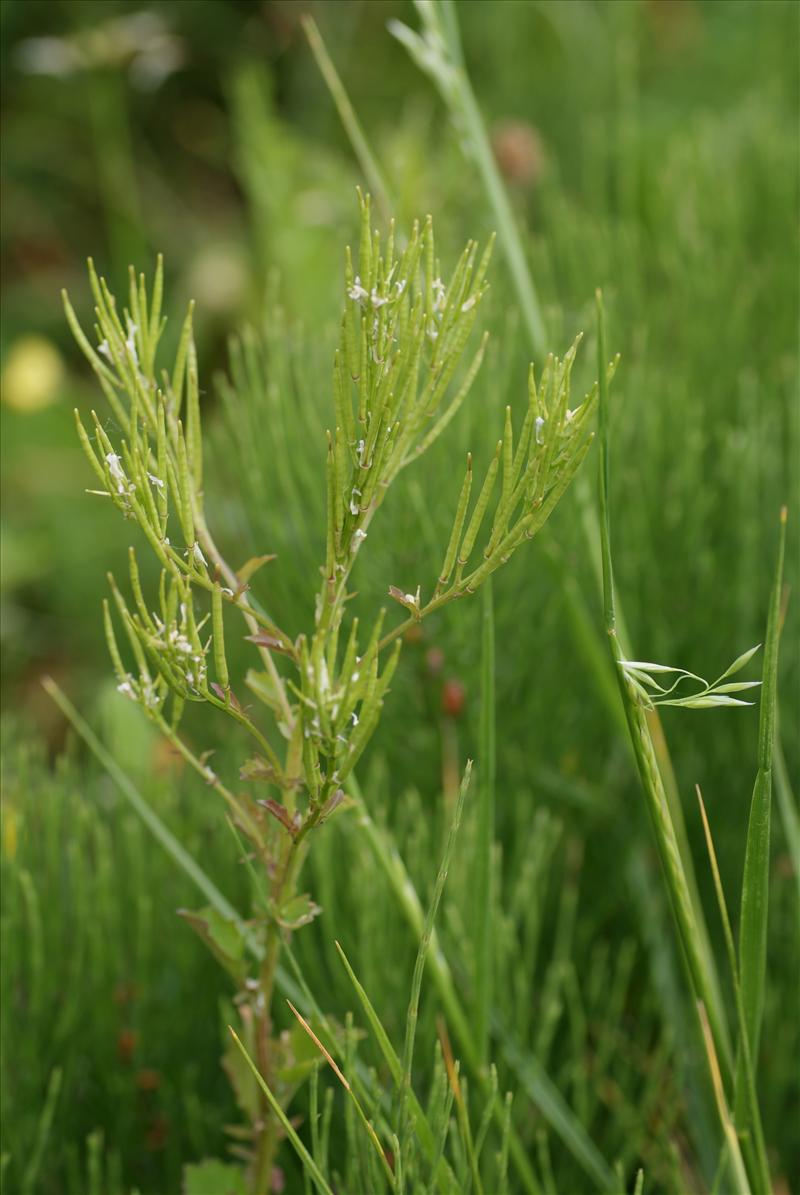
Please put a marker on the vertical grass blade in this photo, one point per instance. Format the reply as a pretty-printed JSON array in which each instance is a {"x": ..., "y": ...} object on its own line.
[
  {"x": 538, "y": 1086},
  {"x": 422, "y": 952},
  {"x": 742, "y": 1186},
  {"x": 484, "y": 902},
  {"x": 699, "y": 963},
  {"x": 309, "y": 1165},
  {"x": 42, "y": 1133},
  {"x": 347, "y": 115},
  {"x": 761, "y": 1165},
  {"x": 755, "y": 880}
]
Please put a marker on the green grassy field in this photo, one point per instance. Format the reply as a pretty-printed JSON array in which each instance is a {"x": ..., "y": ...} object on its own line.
[{"x": 646, "y": 148}]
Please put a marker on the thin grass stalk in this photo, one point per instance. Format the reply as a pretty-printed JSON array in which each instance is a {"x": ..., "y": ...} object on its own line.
[
  {"x": 422, "y": 952},
  {"x": 755, "y": 880},
  {"x": 309, "y": 1165},
  {"x": 347, "y": 115},
  {"x": 742, "y": 1186},
  {"x": 705, "y": 989},
  {"x": 484, "y": 896},
  {"x": 762, "y": 1182}
]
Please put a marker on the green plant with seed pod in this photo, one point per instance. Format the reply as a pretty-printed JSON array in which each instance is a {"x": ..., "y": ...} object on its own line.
[{"x": 402, "y": 370}]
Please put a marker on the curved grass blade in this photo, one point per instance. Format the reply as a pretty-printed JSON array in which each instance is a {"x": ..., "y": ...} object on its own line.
[
  {"x": 755, "y": 880},
  {"x": 309, "y": 1165}
]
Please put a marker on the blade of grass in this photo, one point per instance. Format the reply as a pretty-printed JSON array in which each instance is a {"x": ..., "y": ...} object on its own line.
[
  {"x": 763, "y": 1184},
  {"x": 352, "y": 125},
  {"x": 305, "y": 1157},
  {"x": 484, "y": 902},
  {"x": 422, "y": 953},
  {"x": 539, "y": 1087},
  {"x": 42, "y": 1132},
  {"x": 365, "y": 1122},
  {"x": 462, "y": 1111},
  {"x": 742, "y": 1186},
  {"x": 421, "y": 1126},
  {"x": 755, "y": 880},
  {"x": 787, "y": 806},
  {"x": 705, "y": 988}
]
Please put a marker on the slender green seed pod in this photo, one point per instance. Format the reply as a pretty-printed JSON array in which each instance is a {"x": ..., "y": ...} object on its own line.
[
  {"x": 218, "y": 631},
  {"x": 365, "y": 246},
  {"x": 177, "y": 710},
  {"x": 483, "y": 264},
  {"x": 390, "y": 248},
  {"x": 94, "y": 283},
  {"x": 350, "y": 341},
  {"x": 341, "y": 390},
  {"x": 480, "y": 507},
  {"x": 342, "y": 475},
  {"x": 458, "y": 525},
  {"x": 133, "y": 297},
  {"x": 134, "y": 637},
  {"x": 193, "y": 429},
  {"x": 330, "y": 473},
  {"x": 86, "y": 445},
  {"x": 100, "y": 368},
  {"x": 184, "y": 492},
  {"x": 332, "y": 650},
  {"x": 363, "y": 376},
  {"x": 111, "y": 640},
  {"x": 136, "y": 589},
  {"x": 180, "y": 359},
  {"x": 508, "y": 458},
  {"x": 161, "y": 465},
  {"x": 155, "y": 310}
]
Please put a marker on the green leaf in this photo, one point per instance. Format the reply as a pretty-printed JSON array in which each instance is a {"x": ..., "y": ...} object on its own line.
[
  {"x": 212, "y": 1177},
  {"x": 264, "y": 688},
  {"x": 251, "y": 567},
  {"x": 299, "y": 911},
  {"x": 222, "y": 936}
]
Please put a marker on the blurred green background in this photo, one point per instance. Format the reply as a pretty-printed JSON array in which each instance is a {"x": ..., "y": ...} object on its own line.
[{"x": 650, "y": 147}]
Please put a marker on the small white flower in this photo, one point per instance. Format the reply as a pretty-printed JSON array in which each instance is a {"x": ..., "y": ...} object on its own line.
[
  {"x": 356, "y": 292},
  {"x": 470, "y": 303},
  {"x": 400, "y": 287},
  {"x": 354, "y": 716},
  {"x": 105, "y": 350},
  {"x": 117, "y": 472},
  {"x": 156, "y": 481},
  {"x": 439, "y": 296},
  {"x": 410, "y": 598},
  {"x": 197, "y": 554},
  {"x": 358, "y": 537},
  {"x": 127, "y": 688},
  {"x": 130, "y": 343},
  {"x": 375, "y": 298},
  {"x": 539, "y": 424}
]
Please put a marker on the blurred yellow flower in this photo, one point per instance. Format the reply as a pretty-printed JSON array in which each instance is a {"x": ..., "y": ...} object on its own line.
[{"x": 32, "y": 374}]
